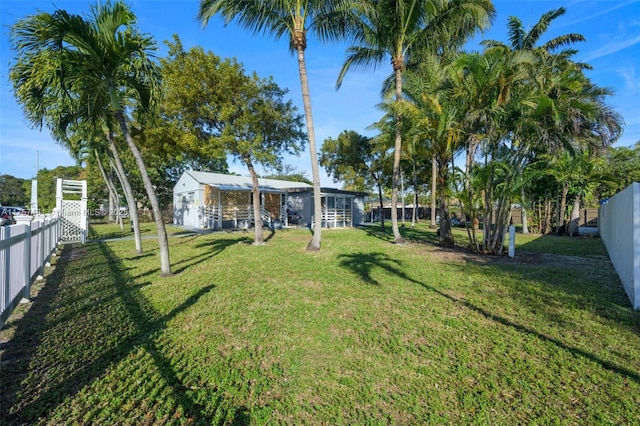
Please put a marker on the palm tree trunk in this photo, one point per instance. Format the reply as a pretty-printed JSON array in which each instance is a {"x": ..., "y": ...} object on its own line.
[
  {"x": 128, "y": 194},
  {"x": 414, "y": 214},
  {"x": 314, "y": 244},
  {"x": 525, "y": 222},
  {"x": 379, "y": 184},
  {"x": 446, "y": 237},
  {"x": 109, "y": 187},
  {"x": 561, "y": 210},
  {"x": 548, "y": 214},
  {"x": 113, "y": 196},
  {"x": 163, "y": 243},
  {"x": 574, "y": 223},
  {"x": 255, "y": 194},
  {"x": 397, "y": 152},
  {"x": 434, "y": 174}
]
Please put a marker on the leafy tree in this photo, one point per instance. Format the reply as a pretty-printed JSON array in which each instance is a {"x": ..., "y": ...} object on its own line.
[
  {"x": 566, "y": 111},
  {"x": 288, "y": 173},
  {"x": 102, "y": 62},
  {"x": 12, "y": 191},
  {"x": 401, "y": 29},
  {"x": 295, "y": 19},
  {"x": 244, "y": 116},
  {"x": 623, "y": 163},
  {"x": 437, "y": 124},
  {"x": 348, "y": 159},
  {"x": 357, "y": 161},
  {"x": 47, "y": 180}
]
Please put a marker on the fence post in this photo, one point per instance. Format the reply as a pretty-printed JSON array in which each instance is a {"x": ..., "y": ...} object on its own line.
[
  {"x": 26, "y": 275},
  {"x": 41, "y": 247},
  {"x": 5, "y": 233},
  {"x": 47, "y": 237},
  {"x": 25, "y": 221}
]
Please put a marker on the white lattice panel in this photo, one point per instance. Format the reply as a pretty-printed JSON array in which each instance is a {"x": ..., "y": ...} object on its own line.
[
  {"x": 73, "y": 213},
  {"x": 72, "y": 220}
]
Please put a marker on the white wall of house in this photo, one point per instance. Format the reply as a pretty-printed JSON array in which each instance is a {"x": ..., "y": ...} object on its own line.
[{"x": 188, "y": 199}]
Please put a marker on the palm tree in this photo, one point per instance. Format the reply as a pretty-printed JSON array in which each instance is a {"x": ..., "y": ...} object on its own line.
[
  {"x": 102, "y": 62},
  {"x": 521, "y": 39},
  {"x": 402, "y": 29},
  {"x": 292, "y": 18},
  {"x": 70, "y": 128},
  {"x": 438, "y": 125},
  {"x": 494, "y": 90}
]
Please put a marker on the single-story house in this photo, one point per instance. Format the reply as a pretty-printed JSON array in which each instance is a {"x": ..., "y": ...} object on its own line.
[{"x": 219, "y": 201}]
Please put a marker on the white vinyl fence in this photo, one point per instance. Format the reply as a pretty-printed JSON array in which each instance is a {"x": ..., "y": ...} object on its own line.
[
  {"x": 619, "y": 228},
  {"x": 25, "y": 248}
]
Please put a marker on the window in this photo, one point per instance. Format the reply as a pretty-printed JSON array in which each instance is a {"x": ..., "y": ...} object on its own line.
[{"x": 331, "y": 202}]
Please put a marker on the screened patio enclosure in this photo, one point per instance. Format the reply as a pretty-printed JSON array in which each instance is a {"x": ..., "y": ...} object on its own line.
[
  {"x": 233, "y": 208},
  {"x": 337, "y": 211}
]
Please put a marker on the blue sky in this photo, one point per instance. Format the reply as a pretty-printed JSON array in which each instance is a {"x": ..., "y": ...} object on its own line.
[{"x": 612, "y": 30}]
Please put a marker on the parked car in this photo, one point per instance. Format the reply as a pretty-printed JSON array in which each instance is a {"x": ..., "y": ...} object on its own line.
[
  {"x": 8, "y": 214},
  {"x": 6, "y": 217}
]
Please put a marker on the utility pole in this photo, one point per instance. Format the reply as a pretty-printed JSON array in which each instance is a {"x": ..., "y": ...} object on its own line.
[{"x": 34, "y": 187}]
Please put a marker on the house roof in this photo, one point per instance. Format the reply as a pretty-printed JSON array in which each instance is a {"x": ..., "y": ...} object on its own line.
[{"x": 243, "y": 183}]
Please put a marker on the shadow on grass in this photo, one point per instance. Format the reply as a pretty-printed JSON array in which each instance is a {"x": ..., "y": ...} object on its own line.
[
  {"x": 65, "y": 343},
  {"x": 127, "y": 232},
  {"x": 29, "y": 333},
  {"x": 363, "y": 263},
  {"x": 213, "y": 248},
  {"x": 376, "y": 232},
  {"x": 414, "y": 234}
]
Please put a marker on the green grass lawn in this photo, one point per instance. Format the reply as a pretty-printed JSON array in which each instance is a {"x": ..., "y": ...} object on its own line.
[{"x": 362, "y": 332}]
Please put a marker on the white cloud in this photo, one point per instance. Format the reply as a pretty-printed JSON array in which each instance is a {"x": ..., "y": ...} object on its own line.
[
  {"x": 598, "y": 12},
  {"x": 611, "y": 48},
  {"x": 630, "y": 78}
]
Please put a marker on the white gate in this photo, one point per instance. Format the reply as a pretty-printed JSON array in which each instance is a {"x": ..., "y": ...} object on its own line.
[{"x": 73, "y": 213}]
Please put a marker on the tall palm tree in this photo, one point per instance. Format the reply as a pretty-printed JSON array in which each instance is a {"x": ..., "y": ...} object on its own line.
[
  {"x": 438, "y": 121},
  {"x": 489, "y": 87},
  {"x": 292, "y": 18},
  {"x": 69, "y": 128},
  {"x": 552, "y": 57},
  {"x": 103, "y": 62},
  {"x": 401, "y": 29}
]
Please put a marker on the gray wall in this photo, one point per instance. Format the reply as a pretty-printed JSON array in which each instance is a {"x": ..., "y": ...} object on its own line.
[
  {"x": 619, "y": 228},
  {"x": 298, "y": 205},
  {"x": 358, "y": 211}
]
